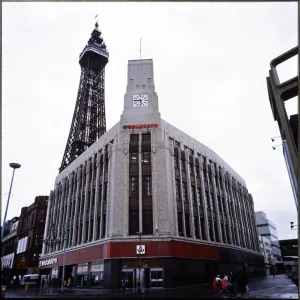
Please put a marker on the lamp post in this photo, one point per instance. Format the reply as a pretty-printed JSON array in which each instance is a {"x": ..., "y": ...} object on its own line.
[
  {"x": 139, "y": 262},
  {"x": 14, "y": 166}
]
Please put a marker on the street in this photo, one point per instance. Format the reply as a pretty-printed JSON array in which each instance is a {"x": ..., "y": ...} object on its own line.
[{"x": 279, "y": 287}]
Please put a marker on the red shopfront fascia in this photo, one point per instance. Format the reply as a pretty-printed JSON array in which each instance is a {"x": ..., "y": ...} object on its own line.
[
  {"x": 157, "y": 249},
  {"x": 139, "y": 126}
]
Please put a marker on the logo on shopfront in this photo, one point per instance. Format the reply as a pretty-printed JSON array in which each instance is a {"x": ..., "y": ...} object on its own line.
[
  {"x": 140, "y": 126},
  {"x": 140, "y": 249},
  {"x": 48, "y": 262}
]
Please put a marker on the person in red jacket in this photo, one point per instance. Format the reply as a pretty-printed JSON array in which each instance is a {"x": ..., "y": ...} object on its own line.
[{"x": 217, "y": 284}]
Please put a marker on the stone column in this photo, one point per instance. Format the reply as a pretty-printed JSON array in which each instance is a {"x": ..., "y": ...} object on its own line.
[
  {"x": 97, "y": 197},
  {"x": 102, "y": 192},
  {"x": 204, "y": 197},
  {"x": 172, "y": 145},
  {"x": 213, "y": 171},
  {"x": 110, "y": 180},
  {"x": 86, "y": 201},
  {"x": 81, "y": 204},
  {"x": 126, "y": 184},
  {"x": 140, "y": 185},
  {"x": 198, "y": 201},
  {"x": 234, "y": 212},
  {"x": 226, "y": 206},
  {"x": 70, "y": 181},
  {"x": 76, "y": 216},
  {"x": 189, "y": 193},
  {"x": 92, "y": 172},
  {"x": 47, "y": 221},
  {"x": 181, "y": 193},
  {"x": 60, "y": 220}
]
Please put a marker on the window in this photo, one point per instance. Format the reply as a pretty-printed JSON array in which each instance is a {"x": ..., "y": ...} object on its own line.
[
  {"x": 147, "y": 185},
  {"x": 131, "y": 81},
  {"x": 143, "y": 86},
  {"x": 133, "y": 158},
  {"x": 176, "y": 164},
  {"x": 146, "y": 158},
  {"x": 133, "y": 222},
  {"x": 182, "y": 165},
  {"x": 177, "y": 184},
  {"x": 105, "y": 192},
  {"x": 184, "y": 192},
  {"x": 199, "y": 195},
  {"x": 133, "y": 186},
  {"x": 197, "y": 234},
  {"x": 191, "y": 167},
  {"x": 134, "y": 139},
  {"x": 103, "y": 226},
  {"x": 187, "y": 225},
  {"x": 194, "y": 199},
  {"x": 146, "y": 139},
  {"x": 197, "y": 172},
  {"x": 147, "y": 222},
  {"x": 207, "y": 200},
  {"x": 180, "y": 224}
]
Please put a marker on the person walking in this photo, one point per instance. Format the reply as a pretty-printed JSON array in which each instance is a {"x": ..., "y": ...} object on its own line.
[
  {"x": 217, "y": 285},
  {"x": 123, "y": 284}
]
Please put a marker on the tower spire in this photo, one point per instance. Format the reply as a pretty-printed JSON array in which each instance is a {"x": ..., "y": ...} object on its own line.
[{"x": 89, "y": 122}]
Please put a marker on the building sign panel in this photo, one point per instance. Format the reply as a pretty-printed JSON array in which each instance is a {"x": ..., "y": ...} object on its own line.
[
  {"x": 140, "y": 126},
  {"x": 140, "y": 249},
  {"x": 48, "y": 262},
  {"x": 97, "y": 268}
]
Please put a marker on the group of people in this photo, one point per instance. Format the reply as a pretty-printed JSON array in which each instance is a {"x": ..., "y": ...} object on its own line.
[{"x": 231, "y": 284}]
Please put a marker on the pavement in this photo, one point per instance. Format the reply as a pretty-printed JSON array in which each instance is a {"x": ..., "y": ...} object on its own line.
[{"x": 267, "y": 287}]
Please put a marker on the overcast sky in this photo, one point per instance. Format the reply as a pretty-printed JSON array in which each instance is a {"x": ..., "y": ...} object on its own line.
[{"x": 211, "y": 61}]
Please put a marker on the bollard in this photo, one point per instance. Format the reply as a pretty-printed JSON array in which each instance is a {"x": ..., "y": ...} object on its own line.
[{"x": 26, "y": 288}]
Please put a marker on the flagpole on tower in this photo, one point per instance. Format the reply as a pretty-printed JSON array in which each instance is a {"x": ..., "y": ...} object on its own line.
[{"x": 96, "y": 19}]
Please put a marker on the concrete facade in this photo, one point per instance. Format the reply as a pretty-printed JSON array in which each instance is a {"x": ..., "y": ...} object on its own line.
[{"x": 145, "y": 171}]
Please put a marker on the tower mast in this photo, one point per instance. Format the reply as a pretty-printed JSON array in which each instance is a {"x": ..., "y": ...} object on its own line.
[{"x": 89, "y": 122}]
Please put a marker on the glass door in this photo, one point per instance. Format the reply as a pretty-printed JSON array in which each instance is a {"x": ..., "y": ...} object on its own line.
[
  {"x": 156, "y": 278},
  {"x": 128, "y": 274}
]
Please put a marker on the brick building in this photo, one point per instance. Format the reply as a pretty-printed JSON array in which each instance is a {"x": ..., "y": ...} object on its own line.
[
  {"x": 146, "y": 176},
  {"x": 30, "y": 236}
]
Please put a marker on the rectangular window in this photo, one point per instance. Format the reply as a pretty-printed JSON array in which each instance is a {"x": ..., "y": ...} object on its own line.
[
  {"x": 146, "y": 139},
  {"x": 105, "y": 192},
  {"x": 194, "y": 199},
  {"x": 187, "y": 225},
  {"x": 197, "y": 172},
  {"x": 191, "y": 167},
  {"x": 210, "y": 229},
  {"x": 133, "y": 158},
  {"x": 199, "y": 196},
  {"x": 207, "y": 200},
  {"x": 103, "y": 226},
  {"x": 133, "y": 222},
  {"x": 182, "y": 165},
  {"x": 177, "y": 184},
  {"x": 180, "y": 223},
  {"x": 146, "y": 158},
  {"x": 212, "y": 201},
  {"x": 176, "y": 164},
  {"x": 184, "y": 192},
  {"x": 133, "y": 186},
  {"x": 134, "y": 139},
  {"x": 147, "y": 222},
  {"x": 197, "y": 234},
  {"x": 216, "y": 232},
  {"x": 147, "y": 186},
  {"x": 203, "y": 229}
]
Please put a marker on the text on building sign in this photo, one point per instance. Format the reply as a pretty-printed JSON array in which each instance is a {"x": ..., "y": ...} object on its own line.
[
  {"x": 140, "y": 249},
  {"x": 48, "y": 262},
  {"x": 140, "y": 126}
]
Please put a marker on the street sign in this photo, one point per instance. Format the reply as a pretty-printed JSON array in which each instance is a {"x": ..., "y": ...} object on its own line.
[{"x": 140, "y": 249}]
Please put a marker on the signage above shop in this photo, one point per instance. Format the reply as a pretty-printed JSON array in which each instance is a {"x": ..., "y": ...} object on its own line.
[
  {"x": 48, "y": 262},
  {"x": 140, "y": 249},
  {"x": 140, "y": 126}
]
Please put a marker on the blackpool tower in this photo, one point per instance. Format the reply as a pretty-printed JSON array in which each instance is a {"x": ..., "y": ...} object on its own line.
[{"x": 88, "y": 123}]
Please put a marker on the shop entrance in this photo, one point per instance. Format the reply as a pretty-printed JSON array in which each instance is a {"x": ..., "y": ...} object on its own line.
[
  {"x": 156, "y": 278},
  {"x": 129, "y": 274}
]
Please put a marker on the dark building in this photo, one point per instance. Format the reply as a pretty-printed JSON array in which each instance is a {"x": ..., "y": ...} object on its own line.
[
  {"x": 8, "y": 244},
  {"x": 30, "y": 236},
  {"x": 289, "y": 247}
]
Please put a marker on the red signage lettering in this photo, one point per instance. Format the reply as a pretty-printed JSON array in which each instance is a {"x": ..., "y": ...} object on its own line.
[{"x": 140, "y": 126}]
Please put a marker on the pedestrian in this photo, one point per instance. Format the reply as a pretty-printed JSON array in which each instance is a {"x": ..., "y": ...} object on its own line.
[
  {"x": 123, "y": 285},
  {"x": 217, "y": 285}
]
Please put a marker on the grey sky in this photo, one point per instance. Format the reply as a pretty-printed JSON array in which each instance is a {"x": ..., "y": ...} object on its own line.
[{"x": 210, "y": 65}]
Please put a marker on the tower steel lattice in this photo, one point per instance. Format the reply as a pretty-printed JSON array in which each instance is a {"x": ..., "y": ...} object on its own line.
[{"x": 88, "y": 123}]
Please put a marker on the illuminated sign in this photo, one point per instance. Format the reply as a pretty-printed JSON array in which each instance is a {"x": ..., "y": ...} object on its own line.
[
  {"x": 140, "y": 126},
  {"x": 48, "y": 262}
]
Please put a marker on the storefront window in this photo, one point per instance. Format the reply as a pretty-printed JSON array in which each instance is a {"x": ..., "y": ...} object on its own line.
[
  {"x": 82, "y": 275},
  {"x": 96, "y": 273}
]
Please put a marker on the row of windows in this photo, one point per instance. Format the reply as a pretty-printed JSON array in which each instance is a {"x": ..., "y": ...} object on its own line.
[
  {"x": 134, "y": 158},
  {"x": 134, "y": 186}
]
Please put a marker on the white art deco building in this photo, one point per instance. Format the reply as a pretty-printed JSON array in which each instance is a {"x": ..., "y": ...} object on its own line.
[{"x": 144, "y": 175}]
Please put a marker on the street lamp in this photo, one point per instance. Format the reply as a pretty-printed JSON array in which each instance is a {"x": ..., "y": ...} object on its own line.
[
  {"x": 139, "y": 262},
  {"x": 14, "y": 166},
  {"x": 292, "y": 226}
]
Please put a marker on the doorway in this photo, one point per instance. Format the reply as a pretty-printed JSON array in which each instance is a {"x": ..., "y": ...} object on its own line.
[
  {"x": 156, "y": 278},
  {"x": 130, "y": 277}
]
